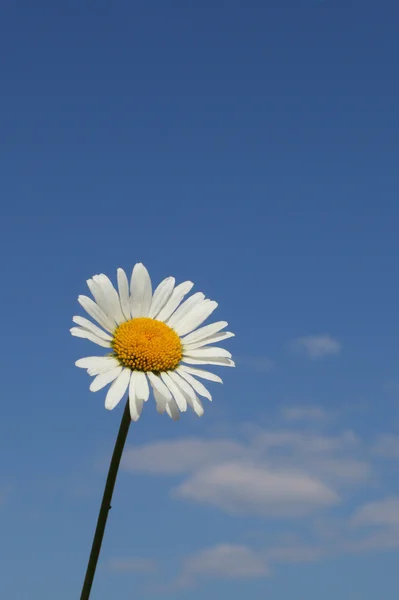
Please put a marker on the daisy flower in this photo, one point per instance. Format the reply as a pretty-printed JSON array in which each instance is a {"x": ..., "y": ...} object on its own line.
[{"x": 155, "y": 340}]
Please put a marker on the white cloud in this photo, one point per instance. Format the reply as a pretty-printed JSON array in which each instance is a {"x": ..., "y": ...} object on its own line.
[
  {"x": 223, "y": 561},
  {"x": 382, "y": 518},
  {"x": 276, "y": 472},
  {"x": 237, "y": 561},
  {"x": 241, "y": 488},
  {"x": 387, "y": 445},
  {"x": 180, "y": 456},
  {"x": 381, "y": 512},
  {"x": 380, "y": 540},
  {"x": 232, "y": 561},
  {"x": 305, "y": 413},
  {"x": 305, "y": 442},
  {"x": 316, "y": 346},
  {"x": 373, "y": 527},
  {"x": 345, "y": 469},
  {"x": 229, "y": 561},
  {"x": 133, "y": 565},
  {"x": 332, "y": 458}
]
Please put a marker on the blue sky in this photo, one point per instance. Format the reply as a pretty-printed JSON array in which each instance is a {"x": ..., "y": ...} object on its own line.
[{"x": 252, "y": 148}]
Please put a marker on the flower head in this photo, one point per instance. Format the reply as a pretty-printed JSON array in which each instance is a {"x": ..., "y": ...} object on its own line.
[{"x": 156, "y": 342}]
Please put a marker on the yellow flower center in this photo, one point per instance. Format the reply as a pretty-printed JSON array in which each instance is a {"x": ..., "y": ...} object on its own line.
[{"x": 144, "y": 344}]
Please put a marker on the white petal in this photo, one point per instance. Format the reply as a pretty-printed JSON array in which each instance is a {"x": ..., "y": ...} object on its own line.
[
  {"x": 83, "y": 333},
  {"x": 161, "y": 296},
  {"x": 212, "y": 351},
  {"x": 132, "y": 386},
  {"x": 103, "y": 368},
  {"x": 185, "y": 308},
  {"x": 86, "y": 324},
  {"x": 196, "y": 405},
  {"x": 135, "y": 403},
  {"x": 158, "y": 384},
  {"x": 189, "y": 394},
  {"x": 95, "y": 361},
  {"x": 177, "y": 296},
  {"x": 140, "y": 291},
  {"x": 176, "y": 393},
  {"x": 201, "y": 373},
  {"x": 204, "y": 332},
  {"x": 111, "y": 297},
  {"x": 102, "y": 380},
  {"x": 99, "y": 296},
  {"x": 142, "y": 389},
  {"x": 117, "y": 389},
  {"x": 96, "y": 313},
  {"x": 160, "y": 401},
  {"x": 123, "y": 288},
  {"x": 196, "y": 317},
  {"x": 182, "y": 384},
  {"x": 100, "y": 290},
  {"x": 136, "y": 407},
  {"x": 223, "y": 335},
  {"x": 172, "y": 410},
  {"x": 197, "y": 385},
  {"x": 222, "y": 362}
]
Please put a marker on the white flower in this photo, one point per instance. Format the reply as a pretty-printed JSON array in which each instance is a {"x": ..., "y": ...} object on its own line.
[{"x": 154, "y": 340}]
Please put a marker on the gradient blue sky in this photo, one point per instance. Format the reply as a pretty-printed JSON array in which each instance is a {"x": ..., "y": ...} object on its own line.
[{"x": 251, "y": 147}]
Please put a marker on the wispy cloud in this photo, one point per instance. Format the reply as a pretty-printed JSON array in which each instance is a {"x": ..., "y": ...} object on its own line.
[
  {"x": 381, "y": 512},
  {"x": 316, "y": 346},
  {"x": 229, "y": 561},
  {"x": 306, "y": 442},
  {"x": 238, "y": 561},
  {"x": 387, "y": 446},
  {"x": 274, "y": 473},
  {"x": 133, "y": 565},
  {"x": 380, "y": 519},
  {"x": 380, "y": 540},
  {"x": 305, "y": 413},
  {"x": 181, "y": 456},
  {"x": 240, "y": 488},
  {"x": 223, "y": 561}
]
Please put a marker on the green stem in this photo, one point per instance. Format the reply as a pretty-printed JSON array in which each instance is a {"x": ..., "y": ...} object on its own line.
[{"x": 106, "y": 503}]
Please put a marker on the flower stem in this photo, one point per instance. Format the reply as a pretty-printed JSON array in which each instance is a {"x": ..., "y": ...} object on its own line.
[{"x": 106, "y": 503}]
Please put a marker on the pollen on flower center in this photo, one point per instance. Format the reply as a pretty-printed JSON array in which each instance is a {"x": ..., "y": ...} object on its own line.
[{"x": 144, "y": 344}]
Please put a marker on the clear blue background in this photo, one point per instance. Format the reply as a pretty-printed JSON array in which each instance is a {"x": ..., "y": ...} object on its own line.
[{"x": 251, "y": 147}]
